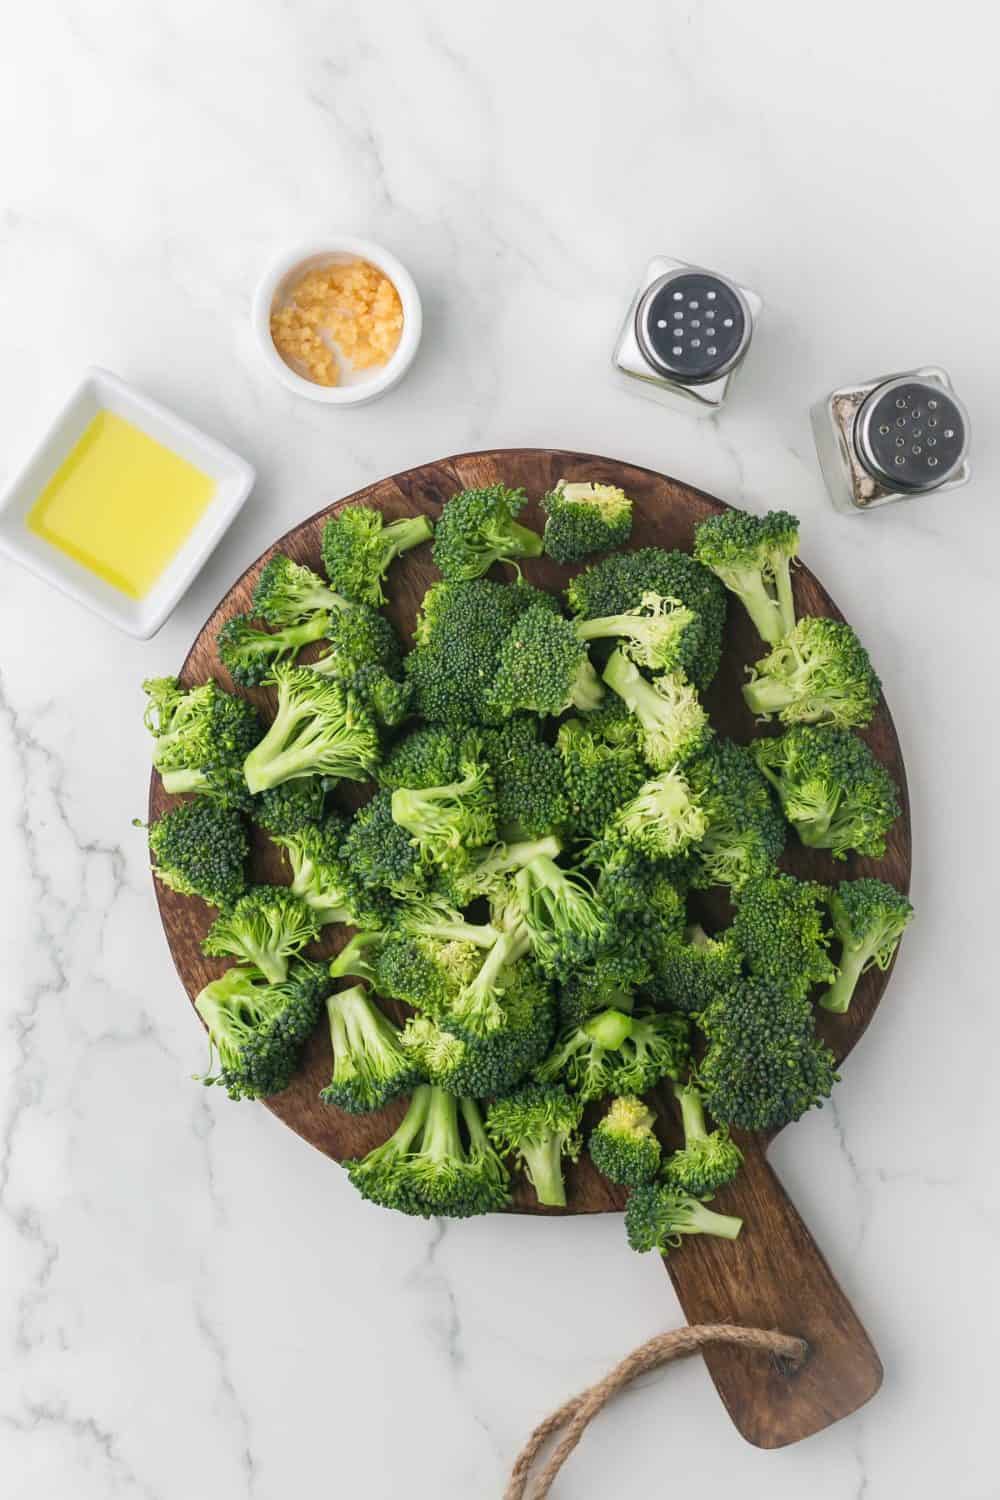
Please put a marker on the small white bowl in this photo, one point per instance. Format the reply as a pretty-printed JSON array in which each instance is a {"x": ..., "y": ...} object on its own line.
[
  {"x": 98, "y": 391},
  {"x": 357, "y": 386}
]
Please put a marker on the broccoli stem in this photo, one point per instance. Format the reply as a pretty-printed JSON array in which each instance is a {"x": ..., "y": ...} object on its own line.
[
  {"x": 481, "y": 934},
  {"x": 692, "y": 1112},
  {"x": 442, "y": 1140},
  {"x": 402, "y": 535},
  {"x": 176, "y": 783},
  {"x": 351, "y": 961},
  {"x": 273, "y": 966},
  {"x": 766, "y": 695},
  {"x": 543, "y": 1164},
  {"x": 782, "y": 568},
  {"x": 852, "y": 965},
  {"x": 639, "y": 697},
  {"x": 587, "y": 692},
  {"x": 764, "y": 611},
  {"x": 702, "y": 1220},
  {"x": 634, "y": 627},
  {"x": 413, "y": 1122},
  {"x": 527, "y": 543},
  {"x": 516, "y": 855}
]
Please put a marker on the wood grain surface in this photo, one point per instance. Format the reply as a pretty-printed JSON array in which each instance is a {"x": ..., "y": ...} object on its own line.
[{"x": 773, "y": 1275}]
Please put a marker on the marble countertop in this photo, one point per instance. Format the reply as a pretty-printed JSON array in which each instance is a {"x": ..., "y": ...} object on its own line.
[{"x": 195, "y": 1305}]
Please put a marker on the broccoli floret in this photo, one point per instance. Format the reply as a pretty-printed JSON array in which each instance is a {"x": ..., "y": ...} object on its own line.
[
  {"x": 644, "y": 903},
  {"x": 458, "y": 635},
  {"x": 199, "y": 848},
  {"x": 662, "y": 819},
  {"x": 201, "y": 738},
  {"x": 528, "y": 780},
  {"x": 673, "y": 726},
  {"x": 370, "y": 1066},
  {"x": 258, "y": 1029},
  {"x": 780, "y": 926},
  {"x": 358, "y": 958},
  {"x": 288, "y": 593},
  {"x": 427, "y": 1168},
  {"x": 819, "y": 674},
  {"x": 291, "y": 806},
  {"x": 538, "y": 1127},
  {"x": 565, "y": 923},
  {"x": 322, "y": 879},
  {"x": 358, "y": 548},
  {"x": 543, "y": 668},
  {"x": 615, "y": 1053},
  {"x": 425, "y": 757},
  {"x": 249, "y": 654},
  {"x": 381, "y": 854},
  {"x": 617, "y": 584},
  {"x": 662, "y": 634},
  {"x": 482, "y": 1067},
  {"x": 708, "y": 1159},
  {"x": 487, "y": 870},
  {"x": 609, "y": 982},
  {"x": 622, "y": 1146},
  {"x": 764, "y": 1066},
  {"x": 477, "y": 1009},
  {"x": 318, "y": 729},
  {"x": 265, "y": 928},
  {"x": 691, "y": 971},
  {"x": 752, "y": 555},
  {"x": 360, "y": 638},
  {"x": 585, "y": 518},
  {"x": 446, "y": 821},
  {"x": 869, "y": 918},
  {"x": 599, "y": 776},
  {"x": 423, "y": 971},
  {"x": 834, "y": 792},
  {"x": 477, "y": 528},
  {"x": 745, "y": 832},
  {"x": 657, "y": 1215}
]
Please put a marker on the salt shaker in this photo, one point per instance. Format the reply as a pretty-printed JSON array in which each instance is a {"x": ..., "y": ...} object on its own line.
[
  {"x": 686, "y": 333},
  {"x": 891, "y": 439}
]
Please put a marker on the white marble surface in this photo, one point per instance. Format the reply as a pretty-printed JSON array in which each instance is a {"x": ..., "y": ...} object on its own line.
[{"x": 194, "y": 1304}]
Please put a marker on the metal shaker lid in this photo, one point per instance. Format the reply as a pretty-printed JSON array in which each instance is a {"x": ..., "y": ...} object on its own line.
[
  {"x": 693, "y": 325},
  {"x": 911, "y": 434}
]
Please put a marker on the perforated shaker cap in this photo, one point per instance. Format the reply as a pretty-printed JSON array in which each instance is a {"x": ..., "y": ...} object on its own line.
[
  {"x": 911, "y": 434},
  {"x": 693, "y": 325}
]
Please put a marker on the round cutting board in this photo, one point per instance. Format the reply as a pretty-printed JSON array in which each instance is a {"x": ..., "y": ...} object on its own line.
[{"x": 773, "y": 1275}]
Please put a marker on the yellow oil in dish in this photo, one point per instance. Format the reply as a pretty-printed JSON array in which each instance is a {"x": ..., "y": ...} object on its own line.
[{"x": 121, "y": 504}]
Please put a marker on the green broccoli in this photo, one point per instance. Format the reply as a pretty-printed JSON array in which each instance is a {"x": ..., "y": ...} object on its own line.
[
  {"x": 565, "y": 924},
  {"x": 288, "y": 593},
  {"x": 370, "y": 1066},
  {"x": 764, "y": 1066},
  {"x": 538, "y": 1127},
  {"x": 423, "y": 971},
  {"x": 691, "y": 971},
  {"x": 708, "y": 1159},
  {"x": 428, "y": 1168},
  {"x": 622, "y": 1146},
  {"x": 528, "y": 780},
  {"x": 482, "y": 1067},
  {"x": 458, "y": 637},
  {"x": 201, "y": 737},
  {"x": 584, "y": 518},
  {"x": 321, "y": 877},
  {"x": 543, "y": 668},
  {"x": 359, "y": 639},
  {"x": 673, "y": 726},
  {"x": 599, "y": 775},
  {"x": 199, "y": 848},
  {"x": 869, "y": 918},
  {"x": 424, "y": 757},
  {"x": 381, "y": 854},
  {"x": 477, "y": 1009},
  {"x": 834, "y": 792},
  {"x": 258, "y": 1029},
  {"x": 358, "y": 958},
  {"x": 358, "y": 548},
  {"x": 642, "y": 897},
  {"x": 487, "y": 870},
  {"x": 250, "y": 654},
  {"x": 657, "y": 1215},
  {"x": 317, "y": 729},
  {"x": 445, "y": 822},
  {"x": 662, "y": 819},
  {"x": 265, "y": 928},
  {"x": 745, "y": 832},
  {"x": 615, "y": 1053},
  {"x": 617, "y": 584},
  {"x": 662, "y": 634},
  {"x": 752, "y": 555},
  {"x": 609, "y": 982},
  {"x": 290, "y": 807},
  {"x": 819, "y": 674},
  {"x": 477, "y": 528},
  {"x": 780, "y": 926}
]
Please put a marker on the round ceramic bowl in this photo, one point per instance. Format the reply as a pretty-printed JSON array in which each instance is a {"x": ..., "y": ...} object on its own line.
[{"x": 357, "y": 386}]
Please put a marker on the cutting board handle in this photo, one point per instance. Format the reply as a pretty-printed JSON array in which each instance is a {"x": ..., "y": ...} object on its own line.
[{"x": 774, "y": 1276}]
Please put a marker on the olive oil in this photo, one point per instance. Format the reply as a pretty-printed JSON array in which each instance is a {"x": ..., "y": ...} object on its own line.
[{"x": 122, "y": 505}]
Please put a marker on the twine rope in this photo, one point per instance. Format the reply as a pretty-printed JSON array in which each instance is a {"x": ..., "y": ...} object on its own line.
[{"x": 576, "y": 1414}]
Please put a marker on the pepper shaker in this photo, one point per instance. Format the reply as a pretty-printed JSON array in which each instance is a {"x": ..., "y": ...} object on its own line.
[
  {"x": 686, "y": 333},
  {"x": 891, "y": 439}
]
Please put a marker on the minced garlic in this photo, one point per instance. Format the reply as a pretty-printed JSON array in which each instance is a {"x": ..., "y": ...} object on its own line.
[{"x": 349, "y": 309}]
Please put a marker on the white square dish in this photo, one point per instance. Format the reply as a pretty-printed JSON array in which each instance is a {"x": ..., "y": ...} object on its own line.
[{"x": 98, "y": 391}]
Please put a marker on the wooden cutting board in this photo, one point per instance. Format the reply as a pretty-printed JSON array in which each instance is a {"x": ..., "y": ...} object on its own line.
[{"x": 773, "y": 1276}]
